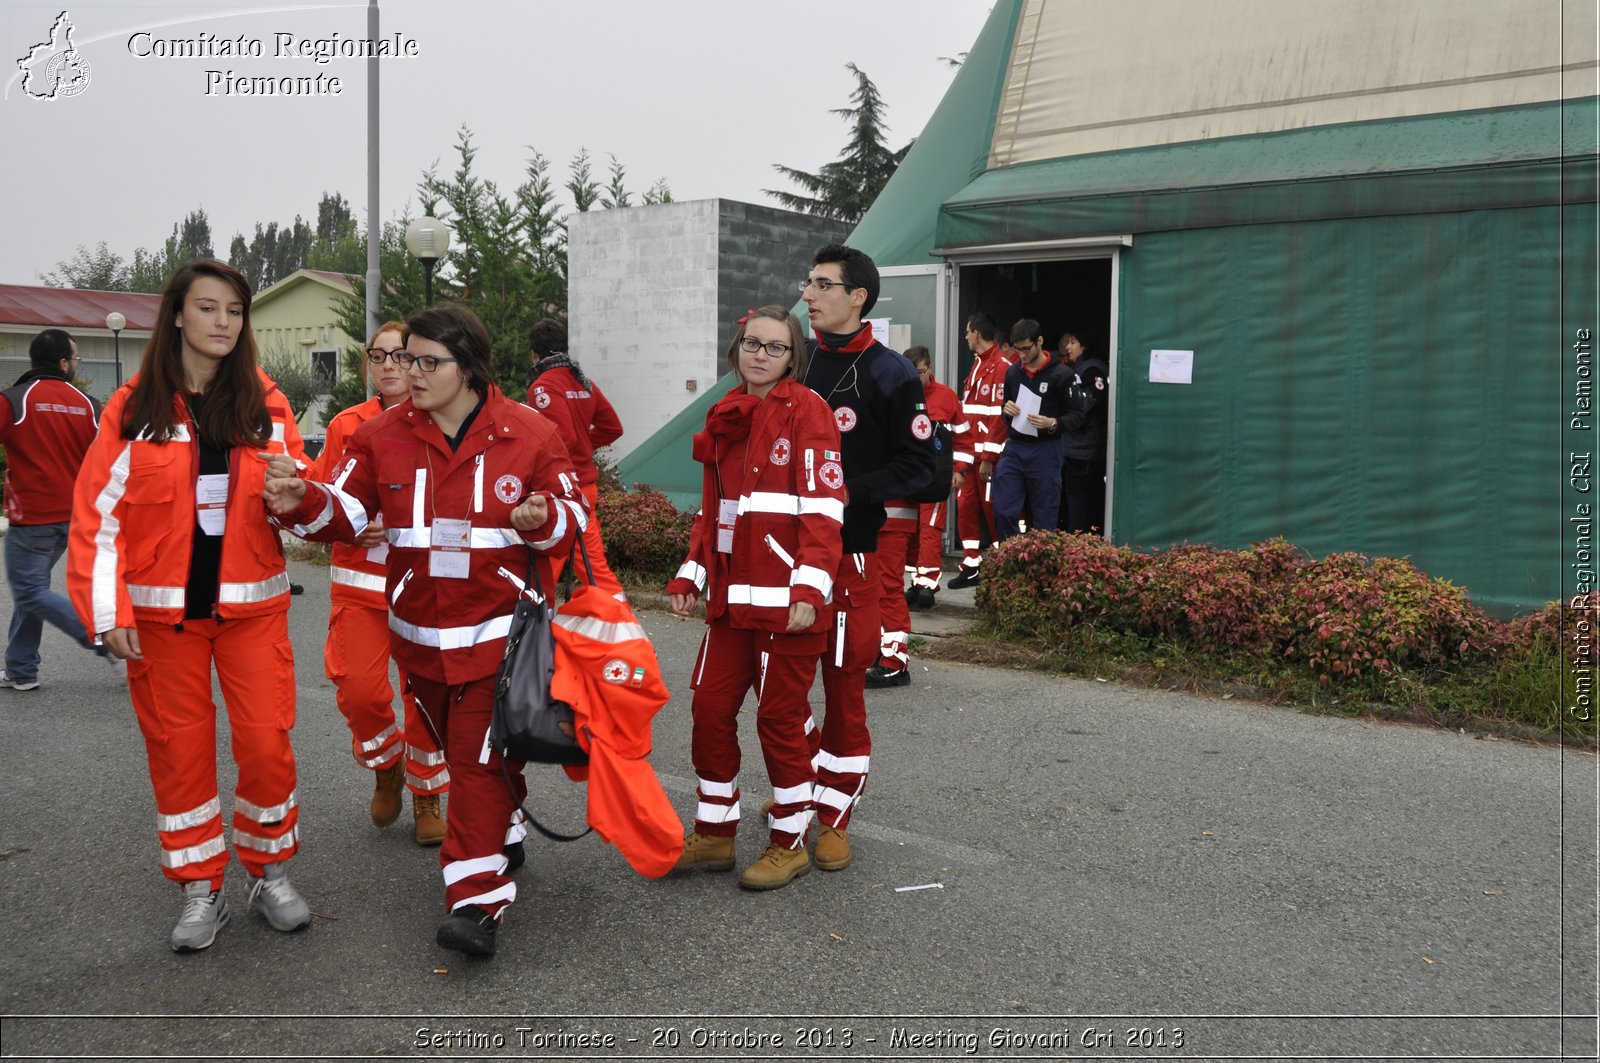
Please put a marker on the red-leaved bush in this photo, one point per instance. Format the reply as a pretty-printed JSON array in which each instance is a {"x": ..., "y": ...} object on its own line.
[
  {"x": 643, "y": 530},
  {"x": 1215, "y": 599},
  {"x": 1045, "y": 583},
  {"x": 1559, "y": 624}
]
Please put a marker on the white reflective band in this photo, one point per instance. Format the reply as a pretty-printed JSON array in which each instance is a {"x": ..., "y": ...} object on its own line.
[
  {"x": 193, "y": 854},
  {"x": 320, "y": 521},
  {"x": 379, "y": 740},
  {"x": 354, "y": 512},
  {"x": 842, "y": 765},
  {"x": 974, "y": 410},
  {"x": 811, "y": 723},
  {"x": 267, "y": 845},
  {"x": 427, "y": 786},
  {"x": 836, "y": 799},
  {"x": 456, "y": 870},
  {"x": 377, "y": 761},
  {"x": 277, "y": 431},
  {"x": 580, "y": 512},
  {"x": 832, "y": 508},
  {"x": 425, "y": 757},
  {"x": 155, "y": 597},
  {"x": 711, "y": 788},
  {"x": 249, "y": 593},
  {"x": 768, "y": 597},
  {"x": 418, "y": 493},
  {"x": 795, "y": 824},
  {"x": 193, "y": 818},
  {"x": 349, "y": 577},
  {"x": 971, "y": 544},
  {"x": 104, "y": 579},
  {"x": 507, "y": 893},
  {"x": 349, "y": 467},
  {"x": 482, "y": 538},
  {"x": 600, "y": 630},
  {"x": 811, "y": 576},
  {"x": 962, "y": 455},
  {"x": 706, "y": 812},
  {"x": 274, "y": 814},
  {"x": 694, "y": 572},
  {"x": 452, "y": 638},
  {"x": 477, "y": 484},
  {"x": 791, "y": 505},
  {"x": 401, "y": 586},
  {"x": 900, "y": 512},
  {"x": 791, "y": 795}
]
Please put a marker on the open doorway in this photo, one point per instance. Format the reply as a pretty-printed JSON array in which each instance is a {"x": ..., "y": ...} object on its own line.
[{"x": 1074, "y": 294}]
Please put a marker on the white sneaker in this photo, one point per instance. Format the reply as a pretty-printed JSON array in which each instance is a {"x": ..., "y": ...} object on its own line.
[
  {"x": 275, "y": 897},
  {"x": 17, "y": 684},
  {"x": 205, "y": 911}
]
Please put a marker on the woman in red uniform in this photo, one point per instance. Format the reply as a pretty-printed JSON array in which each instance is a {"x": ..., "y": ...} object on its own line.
[
  {"x": 356, "y": 657},
  {"x": 176, "y": 464},
  {"x": 467, "y": 482},
  {"x": 763, "y": 553}
]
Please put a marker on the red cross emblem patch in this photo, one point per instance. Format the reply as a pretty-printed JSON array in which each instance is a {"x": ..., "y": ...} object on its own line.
[
  {"x": 845, "y": 418},
  {"x": 831, "y": 474},
  {"x": 616, "y": 671},
  {"x": 780, "y": 451},
  {"x": 921, "y": 426}
]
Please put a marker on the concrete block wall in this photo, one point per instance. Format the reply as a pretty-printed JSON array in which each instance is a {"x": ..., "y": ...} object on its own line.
[{"x": 653, "y": 292}]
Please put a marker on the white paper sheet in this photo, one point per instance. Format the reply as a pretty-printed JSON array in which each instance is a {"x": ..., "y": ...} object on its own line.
[
  {"x": 1171, "y": 367},
  {"x": 1027, "y": 402}
]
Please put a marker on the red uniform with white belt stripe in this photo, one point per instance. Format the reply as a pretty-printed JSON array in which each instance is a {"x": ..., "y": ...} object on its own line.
[
  {"x": 455, "y": 568},
  {"x": 356, "y": 656},
  {"x": 982, "y": 396},
  {"x": 767, "y": 536}
]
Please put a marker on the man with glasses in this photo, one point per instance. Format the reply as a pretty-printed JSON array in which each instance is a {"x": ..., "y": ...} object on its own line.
[
  {"x": 1027, "y": 477},
  {"x": 46, "y": 425},
  {"x": 884, "y": 432},
  {"x": 356, "y": 657}
]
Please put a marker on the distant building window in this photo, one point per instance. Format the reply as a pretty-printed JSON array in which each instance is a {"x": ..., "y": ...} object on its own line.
[{"x": 325, "y": 362}]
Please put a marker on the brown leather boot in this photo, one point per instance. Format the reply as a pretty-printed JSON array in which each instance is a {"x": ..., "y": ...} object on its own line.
[
  {"x": 386, "y": 798},
  {"x": 833, "y": 849},
  {"x": 777, "y": 867},
  {"x": 429, "y": 818},
  {"x": 706, "y": 852}
]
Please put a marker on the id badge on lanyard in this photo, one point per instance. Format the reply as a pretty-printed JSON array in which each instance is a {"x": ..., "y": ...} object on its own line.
[
  {"x": 450, "y": 553},
  {"x": 727, "y": 512},
  {"x": 211, "y": 502}
]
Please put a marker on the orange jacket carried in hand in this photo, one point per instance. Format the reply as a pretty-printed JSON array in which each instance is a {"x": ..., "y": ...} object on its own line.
[
  {"x": 607, "y": 671},
  {"x": 133, "y": 518}
]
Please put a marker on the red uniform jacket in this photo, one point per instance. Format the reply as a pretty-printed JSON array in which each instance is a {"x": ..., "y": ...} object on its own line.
[
  {"x": 783, "y": 486},
  {"x": 981, "y": 398},
  {"x": 358, "y": 575},
  {"x": 943, "y": 408},
  {"x": 133, "y": 523},
  {"x": 46, "y": 425},
  {"x": 582, "y": 415},
  {"x": 448, "y": 629}
]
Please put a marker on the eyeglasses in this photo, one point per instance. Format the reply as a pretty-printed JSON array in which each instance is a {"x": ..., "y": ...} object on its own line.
[
  {"x": 1026, "y": 346},
  {"x": 822, "y": 284},
  {"x": 750, "y": 345},
  {"x": 377, "y": 356},
  {"x": 425, "y": 362}
]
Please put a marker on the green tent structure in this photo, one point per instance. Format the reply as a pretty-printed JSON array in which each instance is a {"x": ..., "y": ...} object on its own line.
[{"x": 1343, "y": 258}]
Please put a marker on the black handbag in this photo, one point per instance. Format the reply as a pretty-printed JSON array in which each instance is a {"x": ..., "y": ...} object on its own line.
[{"x": 528, "y": 724}]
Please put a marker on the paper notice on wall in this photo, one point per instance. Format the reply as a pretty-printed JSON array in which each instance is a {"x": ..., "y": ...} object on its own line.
[
  {"x": 1172, "y": 367},
  {"x": 880, "y": 329}
]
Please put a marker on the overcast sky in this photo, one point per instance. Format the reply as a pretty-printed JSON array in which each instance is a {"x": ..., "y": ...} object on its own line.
[{"x": 706, "y": 94}]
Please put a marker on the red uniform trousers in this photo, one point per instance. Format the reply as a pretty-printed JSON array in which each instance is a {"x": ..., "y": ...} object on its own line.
[
  {"x": 928, "y": 561},
  {"x": 356, "y": 659},
  {"x": 603, "y": 576},
  {"x": 485, "y": 815},
  {"x": 842, "y": 751},
  {"x": 974, "y": 518},
  {"x": 781, "y": 668},
  {"x": 171, "y": 693},
  {"x": 894, "y": 615}
]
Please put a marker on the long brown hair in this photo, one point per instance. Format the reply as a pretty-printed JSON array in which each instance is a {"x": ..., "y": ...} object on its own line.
[
  {"x": 235, "y": 410},
  {"x": 797, "y": 339}
]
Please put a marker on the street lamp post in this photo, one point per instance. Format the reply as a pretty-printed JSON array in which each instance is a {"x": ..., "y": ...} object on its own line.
[
  {"x": 115, "y": 322},
  {"x": 427, "y": 239}
]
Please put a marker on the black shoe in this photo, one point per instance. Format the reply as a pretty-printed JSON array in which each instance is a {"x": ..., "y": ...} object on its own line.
[
  {"x": 469, "y": 929},
  {"x": 924, "y": 599},
  {"x": 911, "y": 596},
  {"x": 878, "y": 677},
  {"x": 967, "y": 577},
  {"x": 295, "y": 588},
  {"x": 516, "y": 856}
]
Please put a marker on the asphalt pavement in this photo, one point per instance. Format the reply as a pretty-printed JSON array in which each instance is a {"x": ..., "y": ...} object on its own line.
[{"x": 1045, "y": 868}]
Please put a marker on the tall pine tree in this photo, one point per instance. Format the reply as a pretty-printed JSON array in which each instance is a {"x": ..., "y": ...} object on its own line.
[{"x": 845, "y": 188}]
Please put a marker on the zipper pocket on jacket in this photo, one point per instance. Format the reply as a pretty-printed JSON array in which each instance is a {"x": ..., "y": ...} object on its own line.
[
  {"x": 399, "y": 588},
  {"x": 783, "y": 555}
]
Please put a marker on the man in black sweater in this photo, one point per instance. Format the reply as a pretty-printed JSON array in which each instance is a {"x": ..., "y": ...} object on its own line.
[
  {"x": 884, "y": 433},
  {"x": 1027, "y": 477}
]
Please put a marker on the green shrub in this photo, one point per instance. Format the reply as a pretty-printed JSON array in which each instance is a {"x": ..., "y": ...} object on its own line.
[
  {"x": 1046, "y": 583},
  {"x": 1217, "y": 600}
]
